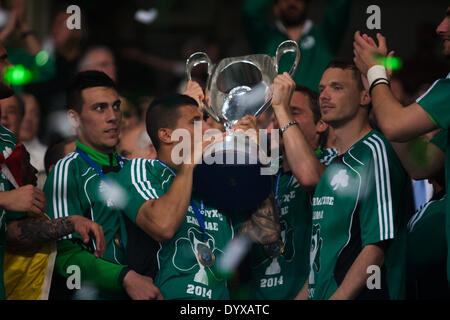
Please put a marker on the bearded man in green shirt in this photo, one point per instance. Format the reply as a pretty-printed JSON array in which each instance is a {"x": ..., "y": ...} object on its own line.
[{"x": 318, "y": 43}]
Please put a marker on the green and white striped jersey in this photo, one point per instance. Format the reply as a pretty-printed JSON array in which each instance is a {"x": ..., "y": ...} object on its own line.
[
  {"x": 436, "y": 102},
  {"x": 181, "y": 274},
  {"x": 282, "y": 277},
  {"x": 359, "y": 201},
  {"x": 73, "y": 187}
]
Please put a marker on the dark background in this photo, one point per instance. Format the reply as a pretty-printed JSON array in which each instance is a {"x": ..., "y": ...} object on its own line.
[{"x": 182, "y": 26}]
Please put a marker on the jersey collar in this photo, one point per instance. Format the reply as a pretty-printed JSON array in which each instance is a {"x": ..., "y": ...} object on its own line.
[{"x": 100, "y": 158}]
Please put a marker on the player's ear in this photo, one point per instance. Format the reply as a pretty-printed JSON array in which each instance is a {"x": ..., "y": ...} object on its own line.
[
  {"x": 74, "y": 118},
  {"x": 321, "y": 126},
  {"x": 165, "y": 135},
  {"x": 365, "y": 98}
]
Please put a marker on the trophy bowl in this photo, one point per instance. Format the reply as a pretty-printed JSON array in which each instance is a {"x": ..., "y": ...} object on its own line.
[{"x": 230, "y": 175}]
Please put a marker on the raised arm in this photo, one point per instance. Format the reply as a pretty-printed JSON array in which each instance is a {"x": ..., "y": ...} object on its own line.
[
  {"x": 300, "y": 155},
  {"x": 420, "y": 158},
  {"x": 160, "y": 218},
  {"x": 397, "y": 123}
]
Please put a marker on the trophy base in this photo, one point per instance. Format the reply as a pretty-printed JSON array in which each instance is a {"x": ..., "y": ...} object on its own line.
[
  {"x": 231, "y": 175},
  {"x": 232, "y": 187}
]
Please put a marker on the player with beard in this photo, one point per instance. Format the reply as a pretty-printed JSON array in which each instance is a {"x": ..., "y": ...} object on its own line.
[{"x": 318, "y": 43}]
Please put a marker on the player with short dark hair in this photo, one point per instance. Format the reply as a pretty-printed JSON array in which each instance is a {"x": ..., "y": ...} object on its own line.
[
  {"x": 85, "y": 80},
  {"x": 79, "y": 185},
  {"x": 163, "y": 113},
  {"x": 191, "y": 233}
]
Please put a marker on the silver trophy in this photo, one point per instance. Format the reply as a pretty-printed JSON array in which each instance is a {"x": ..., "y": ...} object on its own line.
[{"x": 236, "y": 87}]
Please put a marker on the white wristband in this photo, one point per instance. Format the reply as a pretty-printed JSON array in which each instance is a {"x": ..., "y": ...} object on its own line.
[{"x": 376, "y": 72}]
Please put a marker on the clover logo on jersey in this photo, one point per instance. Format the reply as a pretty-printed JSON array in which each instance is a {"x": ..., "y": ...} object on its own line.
[
  {"x": 314, "y": 254},
  {"x": 340, "y": 179},
  {"x": 189, "y": 251}
]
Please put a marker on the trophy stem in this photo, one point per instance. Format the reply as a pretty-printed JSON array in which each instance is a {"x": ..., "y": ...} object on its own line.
[{"x": 228, "y": 130}]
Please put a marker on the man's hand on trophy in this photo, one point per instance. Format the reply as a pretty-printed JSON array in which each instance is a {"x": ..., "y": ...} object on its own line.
[
  {"x": 249, "y": 126},
  {"x": 199, "y": 146},
  {"x": 282, "y": 89},
  {"x": 194, "y": 91}
]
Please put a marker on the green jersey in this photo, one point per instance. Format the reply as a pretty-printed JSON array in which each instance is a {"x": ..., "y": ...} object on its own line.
[
  {"x": 282, "y": 277},
  {"x": 440, "y": 139},
  {"x": 186, "y": 261},
  {"x": 426, "y": 237},
  {"x": 436, "y": 102},
  {"x": 318, "y": 43},
  {"x": 7, "y": 144},
  {"x": 74, "y": 187},
  {"x": 358, "y": 202}
]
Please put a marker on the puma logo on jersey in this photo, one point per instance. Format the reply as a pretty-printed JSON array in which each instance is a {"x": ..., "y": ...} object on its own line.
[{"x": 340, "y": 179}]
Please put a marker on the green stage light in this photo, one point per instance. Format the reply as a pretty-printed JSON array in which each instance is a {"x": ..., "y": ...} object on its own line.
[
  {"x": 392, "y": 63},
  {"x": 17, "y": 75},
  {"x": 41, "y": 58}
]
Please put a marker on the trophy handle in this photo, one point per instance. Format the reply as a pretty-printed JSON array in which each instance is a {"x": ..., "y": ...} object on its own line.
[
  {"x": 194, "y": 60},
  {"x": 288, "y": 46}
]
